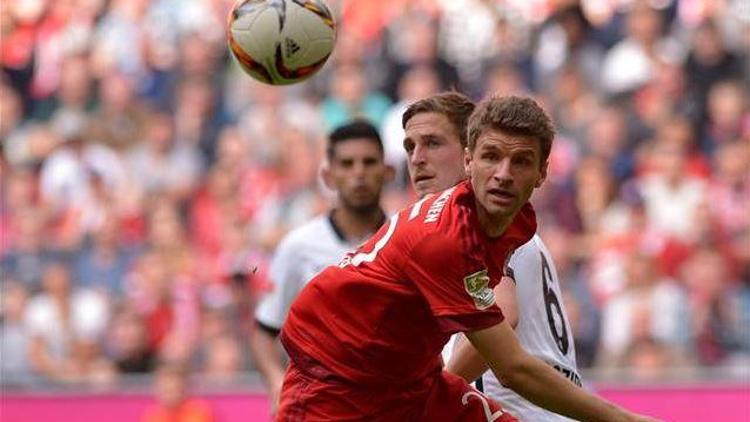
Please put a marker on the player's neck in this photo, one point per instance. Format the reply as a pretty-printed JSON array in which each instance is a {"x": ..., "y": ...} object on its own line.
[
  {"x": 492, "y": 226},
  {"x": 355, "y": 226}
]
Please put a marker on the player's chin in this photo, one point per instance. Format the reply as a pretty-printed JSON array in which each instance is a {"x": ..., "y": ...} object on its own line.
[
  {"x": 424, "y": 186},
  {"x": 362, "y": 205},
  {"x": 500, "y": 207}
]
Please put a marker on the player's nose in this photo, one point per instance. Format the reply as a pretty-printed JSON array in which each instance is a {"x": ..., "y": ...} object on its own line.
[
  {"x": 418, "y": 156},
  {"x": 502, "y": 171},
  {"x": 360, "y": 172}
]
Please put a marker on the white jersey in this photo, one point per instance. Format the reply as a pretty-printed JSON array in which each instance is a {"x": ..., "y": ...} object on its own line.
[
  {"x": 543, "y": 329},
  {"x": 301, "y": 254}
]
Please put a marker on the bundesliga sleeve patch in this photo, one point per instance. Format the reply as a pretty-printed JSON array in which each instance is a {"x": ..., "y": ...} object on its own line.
[{"x": 477, "y": 285}]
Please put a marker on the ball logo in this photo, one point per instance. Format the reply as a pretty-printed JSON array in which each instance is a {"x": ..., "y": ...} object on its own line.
[
  {"x": 477, "y": 285},
  {"x": 291, "y": 47}
]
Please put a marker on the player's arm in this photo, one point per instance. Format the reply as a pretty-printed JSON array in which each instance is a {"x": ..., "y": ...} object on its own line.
[
  {"x": 538, "y": 382},
  {"x": 506, "y": 299},
  {"x": 270, "y": 314},
  {"x": 266, "y": 350},
  {"x": 465, "y": 360}
]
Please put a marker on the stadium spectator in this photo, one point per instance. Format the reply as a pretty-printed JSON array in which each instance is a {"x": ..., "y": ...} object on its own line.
[
  {"x": 505, "y": 79},
  {"x": 161, "y": 164},
  {"x": 631, "y": 62},
  {"x": 74, "y": 93},
  {"x": 15, "y": 367},
  {"x": 21, "y": 25},
  {"x": 174, "y": 402},
  {"x": 11, "y": 112},
  {"x": 649, "y": 307},
  {"x": 77, "y": 181},
  {"x": 708, "y": 280},
  {"x": 102, "y": 261},
  {"x": 671, "y": 195},
  {"x": 729, "y": 197},
  {"x": 739, "y": 318},
  {"x": 223, "y": 360},
  {"x": 27, "y": 253},
  {"x": 570, "y": 102},
  {"x": 648, "y": 359},
  {"x": 118, "y": 39},
  {"x": 728, "y": 114},
  {"x": 606, "y": 137},
  {"x": 66, "y": 326},
  {"x": 196, "y": 116},
  {"x": 351, "y": 96},
  {"x": 709, "y": 61},
  {"x": 416, "y": 46},
  {"x": 119, "y": 118},
  {"x": 127, "y": 343},
  {"x": 564, "y": 38},
  {"x": 418, "y": 82}
]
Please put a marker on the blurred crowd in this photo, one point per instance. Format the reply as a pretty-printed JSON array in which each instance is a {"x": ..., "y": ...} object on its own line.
[{"x": 146, "y": 180}]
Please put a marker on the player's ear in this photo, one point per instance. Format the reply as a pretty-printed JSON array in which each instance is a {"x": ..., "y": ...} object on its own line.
[
  {"x": 467, "y": 162},
  {"x": 326, "y": 176},
  {"x": 390, "y": 173},
  {"x": 543, "y": 174}
]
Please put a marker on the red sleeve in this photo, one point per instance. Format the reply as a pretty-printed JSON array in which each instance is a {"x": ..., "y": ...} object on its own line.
[{"x": 457, "y": 288}]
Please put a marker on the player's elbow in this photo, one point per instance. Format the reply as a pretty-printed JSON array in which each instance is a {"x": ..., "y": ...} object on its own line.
[
  {"x": 512, "y": 319},
  {"x": 515, "y": 372}
]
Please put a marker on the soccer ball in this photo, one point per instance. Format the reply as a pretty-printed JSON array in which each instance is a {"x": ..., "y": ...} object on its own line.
[{"x": 281, "y": 42}]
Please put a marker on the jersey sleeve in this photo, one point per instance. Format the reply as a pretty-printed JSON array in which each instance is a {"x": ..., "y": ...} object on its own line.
[
  {"x": 457, "y": 289},
  {"x": 286, "y": 280}
]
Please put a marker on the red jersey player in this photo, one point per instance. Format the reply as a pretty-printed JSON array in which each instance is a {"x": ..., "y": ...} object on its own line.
[{"x": 364, "y": 338}]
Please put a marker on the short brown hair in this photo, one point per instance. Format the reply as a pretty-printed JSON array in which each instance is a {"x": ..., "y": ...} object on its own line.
[
  {"x": 513, "y": 115},
  {"x": 453, "y": 105}
]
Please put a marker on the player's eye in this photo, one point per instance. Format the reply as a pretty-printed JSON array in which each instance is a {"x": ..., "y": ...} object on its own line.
[{"x": 490, "y": 156}]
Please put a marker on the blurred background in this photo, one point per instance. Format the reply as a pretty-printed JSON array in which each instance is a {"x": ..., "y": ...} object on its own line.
[{"x": 144, "y": 175}]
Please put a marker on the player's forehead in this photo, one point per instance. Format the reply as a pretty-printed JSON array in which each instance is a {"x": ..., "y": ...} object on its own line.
[
  {"x": 357, "y": 148},
  {"x": 429, "y": 124},
  {"x": 495, "y": 139}
]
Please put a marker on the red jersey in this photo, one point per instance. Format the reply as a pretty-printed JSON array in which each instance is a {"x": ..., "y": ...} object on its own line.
[{"x": 381, "y": 318}]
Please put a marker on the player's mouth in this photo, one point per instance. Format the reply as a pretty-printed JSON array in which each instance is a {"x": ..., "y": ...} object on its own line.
[
  {"x": 361, "y": 190},
  {"x": 422, "y": 178},
  {"x": 502, "y": 195}
]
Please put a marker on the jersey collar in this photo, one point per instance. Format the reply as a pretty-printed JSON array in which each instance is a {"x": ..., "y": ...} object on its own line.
[{"x": 340, "y": 233}]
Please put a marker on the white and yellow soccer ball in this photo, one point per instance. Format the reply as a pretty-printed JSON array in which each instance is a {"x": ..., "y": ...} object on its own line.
[{"x": 281, "y": 42}]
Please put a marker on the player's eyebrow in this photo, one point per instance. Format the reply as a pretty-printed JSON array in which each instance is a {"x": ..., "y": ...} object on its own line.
[
  {"x": 346, "y": 160},
  {"x": 524, "y": 150},
  {"x": 431, "y": 136}
]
